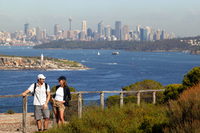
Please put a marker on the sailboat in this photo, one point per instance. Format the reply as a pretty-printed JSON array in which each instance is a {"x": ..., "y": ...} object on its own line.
[{"x": 98, "y": 53}]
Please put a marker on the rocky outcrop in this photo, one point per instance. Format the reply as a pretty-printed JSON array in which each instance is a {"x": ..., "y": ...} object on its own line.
[{"x": 13, "y": 62}]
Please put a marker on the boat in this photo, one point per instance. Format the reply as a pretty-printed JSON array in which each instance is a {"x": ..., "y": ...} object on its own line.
[
  {"x": 115, "y": 53},
  {"x": 98, "y": 53}
]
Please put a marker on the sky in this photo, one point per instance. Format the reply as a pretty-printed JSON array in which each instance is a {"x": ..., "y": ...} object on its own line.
[{"x": 182, "y": 17}]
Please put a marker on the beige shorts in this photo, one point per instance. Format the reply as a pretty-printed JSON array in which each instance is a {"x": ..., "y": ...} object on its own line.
[{"x": 57, "y": 105}]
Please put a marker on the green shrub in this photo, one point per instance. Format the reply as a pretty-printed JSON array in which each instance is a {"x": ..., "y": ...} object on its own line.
[
  {"x": 10, "y": 112},
  {"x": 184, "y": 113},
  {"x": 192, "y": 78},
  {"x": 129, "y": 119},
  {"x": 171, "y": 92},
  {"x": 145, "y": 85},
  {"x": 114, "y": 100}
]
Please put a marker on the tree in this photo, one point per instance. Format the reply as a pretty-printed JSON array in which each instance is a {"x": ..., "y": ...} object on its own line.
[
  {"x": 192, "y": 78},
  {"x": 171, "y": 92}
]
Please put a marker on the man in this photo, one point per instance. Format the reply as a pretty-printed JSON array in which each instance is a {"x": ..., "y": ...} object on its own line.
[{"x": 41, "y": 93}]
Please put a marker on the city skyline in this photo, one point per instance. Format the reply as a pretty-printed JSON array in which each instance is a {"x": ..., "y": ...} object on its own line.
[{"x": 181, "y": 17}]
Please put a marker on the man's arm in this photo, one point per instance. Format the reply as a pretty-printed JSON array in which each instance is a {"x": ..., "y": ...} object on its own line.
[
  {"x": 25, "y": 92},
  {"x": 48, "y": 98}
]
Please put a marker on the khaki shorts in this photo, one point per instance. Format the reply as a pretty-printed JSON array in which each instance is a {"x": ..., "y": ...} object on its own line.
[{"x": 58, "y": 105}]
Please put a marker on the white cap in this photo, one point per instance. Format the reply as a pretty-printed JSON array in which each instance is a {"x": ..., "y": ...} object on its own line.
[{"x": 41, "y": 76}]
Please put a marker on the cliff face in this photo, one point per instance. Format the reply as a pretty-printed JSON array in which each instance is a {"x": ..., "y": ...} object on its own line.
[{"x": 7, "y": 62}]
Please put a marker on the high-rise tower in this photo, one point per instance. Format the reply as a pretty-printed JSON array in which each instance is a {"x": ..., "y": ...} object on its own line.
[
  {"x": 100, "y": 28},
  {"x": 84, "y": 27},
  {"x": 70, "y": 20},
  {"x": 118, "y": 30},
  {"x": 26, "y": 28},
  {"x": 56, "y": 29}
]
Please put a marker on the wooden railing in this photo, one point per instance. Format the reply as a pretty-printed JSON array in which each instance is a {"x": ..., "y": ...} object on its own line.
[{"x": 80, "y": 106}]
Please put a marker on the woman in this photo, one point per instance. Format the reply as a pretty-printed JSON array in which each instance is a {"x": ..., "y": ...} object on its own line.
[{"x": 61, "y": 99}]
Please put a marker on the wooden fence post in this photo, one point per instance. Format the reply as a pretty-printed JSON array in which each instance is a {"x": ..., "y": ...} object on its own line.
[
  {"x": 79, "y": 105},
  {"x": 138, "y": 98},
  {"x": 154, "y": 97},
  {"x": 24, "y": 117},
  {"x": 102, "y": 100},
  {"x": 121, "y": 100}
]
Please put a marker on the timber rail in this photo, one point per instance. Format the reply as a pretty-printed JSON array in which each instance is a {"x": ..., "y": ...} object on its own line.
[{"x": 24, "y": 114}]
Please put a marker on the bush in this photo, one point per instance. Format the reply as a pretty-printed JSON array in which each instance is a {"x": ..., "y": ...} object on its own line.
[
  {"x": 192, "y": 78},
  {"x": 114, "y": 100},
  {"x": 171, "y": 92},
  {"x": 129, "y": 119},
  {"x": 10, "y": 112},
  {"x": 184, "y": 114}
]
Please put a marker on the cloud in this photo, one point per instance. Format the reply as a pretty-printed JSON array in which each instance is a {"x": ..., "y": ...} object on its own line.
[
  {"x": 5, "y": 15},
  {"x": 193, "y": 15},
  {"x": 194, "y": 12}
]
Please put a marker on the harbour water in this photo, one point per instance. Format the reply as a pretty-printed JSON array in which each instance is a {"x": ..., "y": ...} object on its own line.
[{"x": 109, "y": 72}]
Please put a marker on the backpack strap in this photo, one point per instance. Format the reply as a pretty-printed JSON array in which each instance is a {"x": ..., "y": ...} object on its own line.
[{"x": 35, "y": 88}]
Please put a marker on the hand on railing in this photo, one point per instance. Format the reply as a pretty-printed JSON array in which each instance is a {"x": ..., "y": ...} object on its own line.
[{"x": 23, "y": 94}]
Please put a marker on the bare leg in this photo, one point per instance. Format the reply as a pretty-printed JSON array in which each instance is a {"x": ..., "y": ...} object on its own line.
[
  {"x": 39, "y": 124},
  {"x": 46, "y": 121},
  {"x": 57, "y": 116},
  {"x": 62, "y": 116}
]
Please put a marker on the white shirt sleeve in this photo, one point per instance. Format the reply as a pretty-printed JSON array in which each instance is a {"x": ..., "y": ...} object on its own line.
[
  {"x": 31, "y": 88},
  {"x": 48, "y": 88}
]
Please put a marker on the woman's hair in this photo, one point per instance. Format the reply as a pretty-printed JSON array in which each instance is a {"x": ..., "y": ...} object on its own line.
[{"x": 65, "y": 83}]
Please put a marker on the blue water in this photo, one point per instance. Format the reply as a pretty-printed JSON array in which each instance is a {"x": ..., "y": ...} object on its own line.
[{"x": 109, "y": 72}]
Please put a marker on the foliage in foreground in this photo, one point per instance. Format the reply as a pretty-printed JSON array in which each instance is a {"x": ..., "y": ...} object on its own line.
[
  {"x": 129, "y": 119},
  {"x": 184, "y": 113},
  {"x": 192, "y": 78}
]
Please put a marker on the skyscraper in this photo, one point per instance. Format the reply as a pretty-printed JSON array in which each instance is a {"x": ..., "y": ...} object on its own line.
[
  {"x": 100, "y": 28},
  {"x": 38, "y": 33},
  {"x": 84, "y": 27},
  {"x": 56, "y": 29},
  {"x": 70, "y": 25},
  {"x": 107, "y": 31},
  {"x": 143, "y": 33},
  {"x": 118, "y": 30},
  {"x": 125, "y": 32},
  {"x": 26, "y": 28},
  {"x": 44, "y": 34}
]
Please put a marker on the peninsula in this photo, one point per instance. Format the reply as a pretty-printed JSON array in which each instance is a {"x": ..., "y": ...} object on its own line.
[{"x": 33, "y": 63}]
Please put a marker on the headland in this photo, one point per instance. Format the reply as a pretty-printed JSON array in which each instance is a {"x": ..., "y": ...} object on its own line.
[{"x": 36, "y": 63}]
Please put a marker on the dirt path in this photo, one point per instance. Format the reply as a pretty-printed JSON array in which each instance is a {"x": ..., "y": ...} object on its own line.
[{"x": 12, "y": 123}]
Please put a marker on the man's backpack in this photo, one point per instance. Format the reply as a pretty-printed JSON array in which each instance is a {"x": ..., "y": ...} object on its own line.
[{"x": 35, "y": 87}]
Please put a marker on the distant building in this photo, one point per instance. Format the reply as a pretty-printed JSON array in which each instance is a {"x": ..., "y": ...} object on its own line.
[
  {"x": 164, "y": 35},
  {"x": 143, "y": 34},
  {"x": 84, "y": 27},
  {"x": 38, "y": 33},
  {"x": 56, "y": 29},
  {"x": 70, "y": 35},
  {"x": 107, "y": 31},
  {"x": 64, "y": 33},
  {"x": 101, "y": 28},
  {"x": 89, "y": 32},
  {"x": 26, "y": 28},
  {"x": 125, "y": 35},
  {"x": 44, "y": 34},
  {"x": 118, "y": 30}
]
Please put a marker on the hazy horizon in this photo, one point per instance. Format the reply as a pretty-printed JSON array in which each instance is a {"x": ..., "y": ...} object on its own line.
[{"x": 181, "y": 17}]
